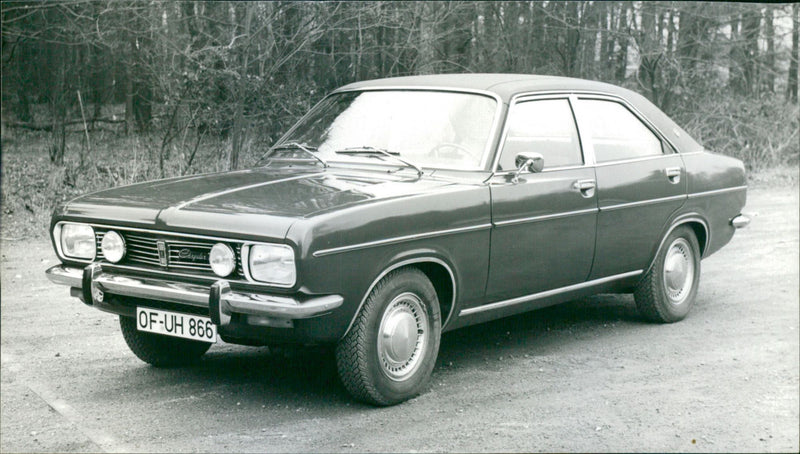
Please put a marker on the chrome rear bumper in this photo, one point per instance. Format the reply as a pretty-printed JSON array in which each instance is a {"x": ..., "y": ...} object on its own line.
[
  {"x": 741, "y": 221},
  {"x": 220, "y": 300}
]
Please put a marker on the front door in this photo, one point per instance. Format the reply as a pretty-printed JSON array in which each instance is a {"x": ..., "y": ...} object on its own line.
[{"x": 543, "y": 223}]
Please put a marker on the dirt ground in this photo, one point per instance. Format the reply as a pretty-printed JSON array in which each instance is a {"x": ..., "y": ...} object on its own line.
[{"x": 584, "y": 376}]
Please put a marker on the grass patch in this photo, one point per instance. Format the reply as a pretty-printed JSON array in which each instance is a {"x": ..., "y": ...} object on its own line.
[{"x": 32, "y": 186}]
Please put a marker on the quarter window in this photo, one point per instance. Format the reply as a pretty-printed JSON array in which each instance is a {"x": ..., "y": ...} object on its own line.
[
  {"x": 615, "y": 132},
  {"x": 546, "y": 127}
]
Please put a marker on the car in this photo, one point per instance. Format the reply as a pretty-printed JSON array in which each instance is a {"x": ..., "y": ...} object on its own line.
[{"x": 401, "y": 208}]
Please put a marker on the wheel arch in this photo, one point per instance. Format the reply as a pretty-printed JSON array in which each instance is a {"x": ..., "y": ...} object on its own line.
[
  {"x": 698, "y": 225},
  {"x": 437, "y": 270}
]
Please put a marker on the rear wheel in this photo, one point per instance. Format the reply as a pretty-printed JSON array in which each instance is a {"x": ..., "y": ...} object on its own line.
[
  {"x": 388, "y": 355},
  {"x": 667, "y": 292},
  {"x": 158, "y": 350}
]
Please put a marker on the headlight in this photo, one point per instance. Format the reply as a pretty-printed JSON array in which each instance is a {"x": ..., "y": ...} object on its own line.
[
  {"x": 113, "y": 246},
  {"x": 222, "y": 259},
  {"x": 77, "y": 241},
  {"x": 272, "y": 263}
]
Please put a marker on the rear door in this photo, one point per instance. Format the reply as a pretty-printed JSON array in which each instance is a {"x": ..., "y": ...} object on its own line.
[
  {"x": 543, "y": 223},
  {"x": 640, "y": 183}
]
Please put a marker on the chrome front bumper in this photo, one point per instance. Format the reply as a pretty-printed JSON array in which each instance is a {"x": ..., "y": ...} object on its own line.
[{"x": 220, "y": 300}]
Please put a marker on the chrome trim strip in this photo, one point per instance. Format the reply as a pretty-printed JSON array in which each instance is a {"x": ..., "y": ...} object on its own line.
[
  {"x": 540, "y": 295},
  {"x": 629, "y": 160},
  {"x": 717, "y": 191},
  {"x": 602, "y": 164},
  {"x": 160, "y": 232},
  {"x": 545, "y": 217},
  {"x": 642, "y": 202},
  {"x": 198, "y": 295},
  {"x": 552, "y": 169},
  {"x": 402, "y": 264},
  {"x": 399, "y": 239}
]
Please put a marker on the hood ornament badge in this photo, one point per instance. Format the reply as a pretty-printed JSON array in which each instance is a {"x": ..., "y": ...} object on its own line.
[{"x": 162, "y": 252}]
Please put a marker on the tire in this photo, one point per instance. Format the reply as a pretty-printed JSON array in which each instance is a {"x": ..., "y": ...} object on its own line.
[
  {"x": 667, "y": 292},
  {"x": 389, "y": 369},
  {"x": 158, "y": 350}
]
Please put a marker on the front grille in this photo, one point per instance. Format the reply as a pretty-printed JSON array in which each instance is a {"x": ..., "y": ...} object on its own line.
[
  {"x": 186, "y": 254},
  {"x": 141, "y": 249}
]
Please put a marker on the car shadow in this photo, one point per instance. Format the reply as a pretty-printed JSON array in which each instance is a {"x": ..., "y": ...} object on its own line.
[
  {"x": 538, "y": 332},
  {"x": 307, "y": 377}
]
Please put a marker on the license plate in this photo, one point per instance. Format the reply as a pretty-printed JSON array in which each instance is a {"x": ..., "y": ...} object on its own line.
[{"x": 176, "y": 324}]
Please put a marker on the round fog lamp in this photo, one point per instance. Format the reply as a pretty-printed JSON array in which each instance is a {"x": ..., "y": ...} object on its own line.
[
  {"x": 113, "y": 246},
  {"x": 222, "y": 259}
]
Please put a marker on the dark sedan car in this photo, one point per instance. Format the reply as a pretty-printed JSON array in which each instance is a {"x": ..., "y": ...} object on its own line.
[{"x": 400, "y": 208}]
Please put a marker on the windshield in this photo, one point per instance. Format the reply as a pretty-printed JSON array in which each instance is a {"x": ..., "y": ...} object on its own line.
[{"x": 425, "y": 128}]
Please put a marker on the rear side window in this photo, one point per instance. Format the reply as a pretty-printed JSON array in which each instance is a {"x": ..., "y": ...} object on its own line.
[
  {"x": 546, "y": 127},
  {"x": 615, "y": 132}
]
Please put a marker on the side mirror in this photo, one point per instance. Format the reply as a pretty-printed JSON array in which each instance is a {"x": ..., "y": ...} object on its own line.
[{"x": 528, "y": 162}]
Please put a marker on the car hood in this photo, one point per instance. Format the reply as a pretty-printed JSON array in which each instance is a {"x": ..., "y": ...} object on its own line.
[{"x": 257, "y": 204}]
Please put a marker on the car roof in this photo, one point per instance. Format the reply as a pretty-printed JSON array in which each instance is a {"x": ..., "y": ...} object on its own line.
[
  {"x": 506, "y": 86},
  {"x": 503, "y": 85}
]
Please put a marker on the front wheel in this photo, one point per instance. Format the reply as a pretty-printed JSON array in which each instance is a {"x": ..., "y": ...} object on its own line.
[
  {"x": 388, "y": 355},
  {"x": 159, "y": 350},
  {"x": 667, "y": 291}
]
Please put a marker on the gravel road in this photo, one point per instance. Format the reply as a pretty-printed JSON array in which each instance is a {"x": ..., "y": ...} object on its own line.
[{"x": 584, "y": 376}]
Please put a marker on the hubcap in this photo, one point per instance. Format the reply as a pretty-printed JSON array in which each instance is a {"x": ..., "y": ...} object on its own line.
[
  {"x": 678, "y": 271},
  {"x": 402, "y": 336}
]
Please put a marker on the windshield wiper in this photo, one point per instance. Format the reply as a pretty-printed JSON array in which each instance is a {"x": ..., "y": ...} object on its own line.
[
  {"x": 372, "y": 151},
  {"x": 308, "y": 149}
]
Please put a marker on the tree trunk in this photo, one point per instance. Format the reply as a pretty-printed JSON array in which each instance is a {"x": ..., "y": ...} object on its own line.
[
  {"x": 24, "y": 105},
  {"x": 129, "y": 115},
  {"x": 427, "y": 28},
  {"x": 622, "y": 55},
  {"x": 769, "y": 32},
  {"x": 58, "y": 101},
  {"x": 791, "y": 87},
  {"x": 690, "y": 30},
  {"x": 238, "y": 134},
  {"x": 751, "y": 22}
]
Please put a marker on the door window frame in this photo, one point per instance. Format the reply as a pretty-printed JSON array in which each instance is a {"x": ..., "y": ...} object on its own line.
[
  {"x": 667, "y": 148},
  {"x": 587, "y": 148},
  {"x": 525, "y": 98}
]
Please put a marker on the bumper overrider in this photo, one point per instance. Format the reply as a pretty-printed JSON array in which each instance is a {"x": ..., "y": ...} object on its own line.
[{"x": 92, "y": 284}]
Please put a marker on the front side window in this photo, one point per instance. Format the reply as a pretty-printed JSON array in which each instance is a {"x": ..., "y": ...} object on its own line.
[
  {"x": 615, "y": 132},
  {"x": 445, "y": 130},
  {"x": 546, "y": 127}
]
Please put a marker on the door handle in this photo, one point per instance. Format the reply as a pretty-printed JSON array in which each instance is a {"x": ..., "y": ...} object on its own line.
[
  {"x": 673, "y": 174},
  {"x": 585, "y": 187}
]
